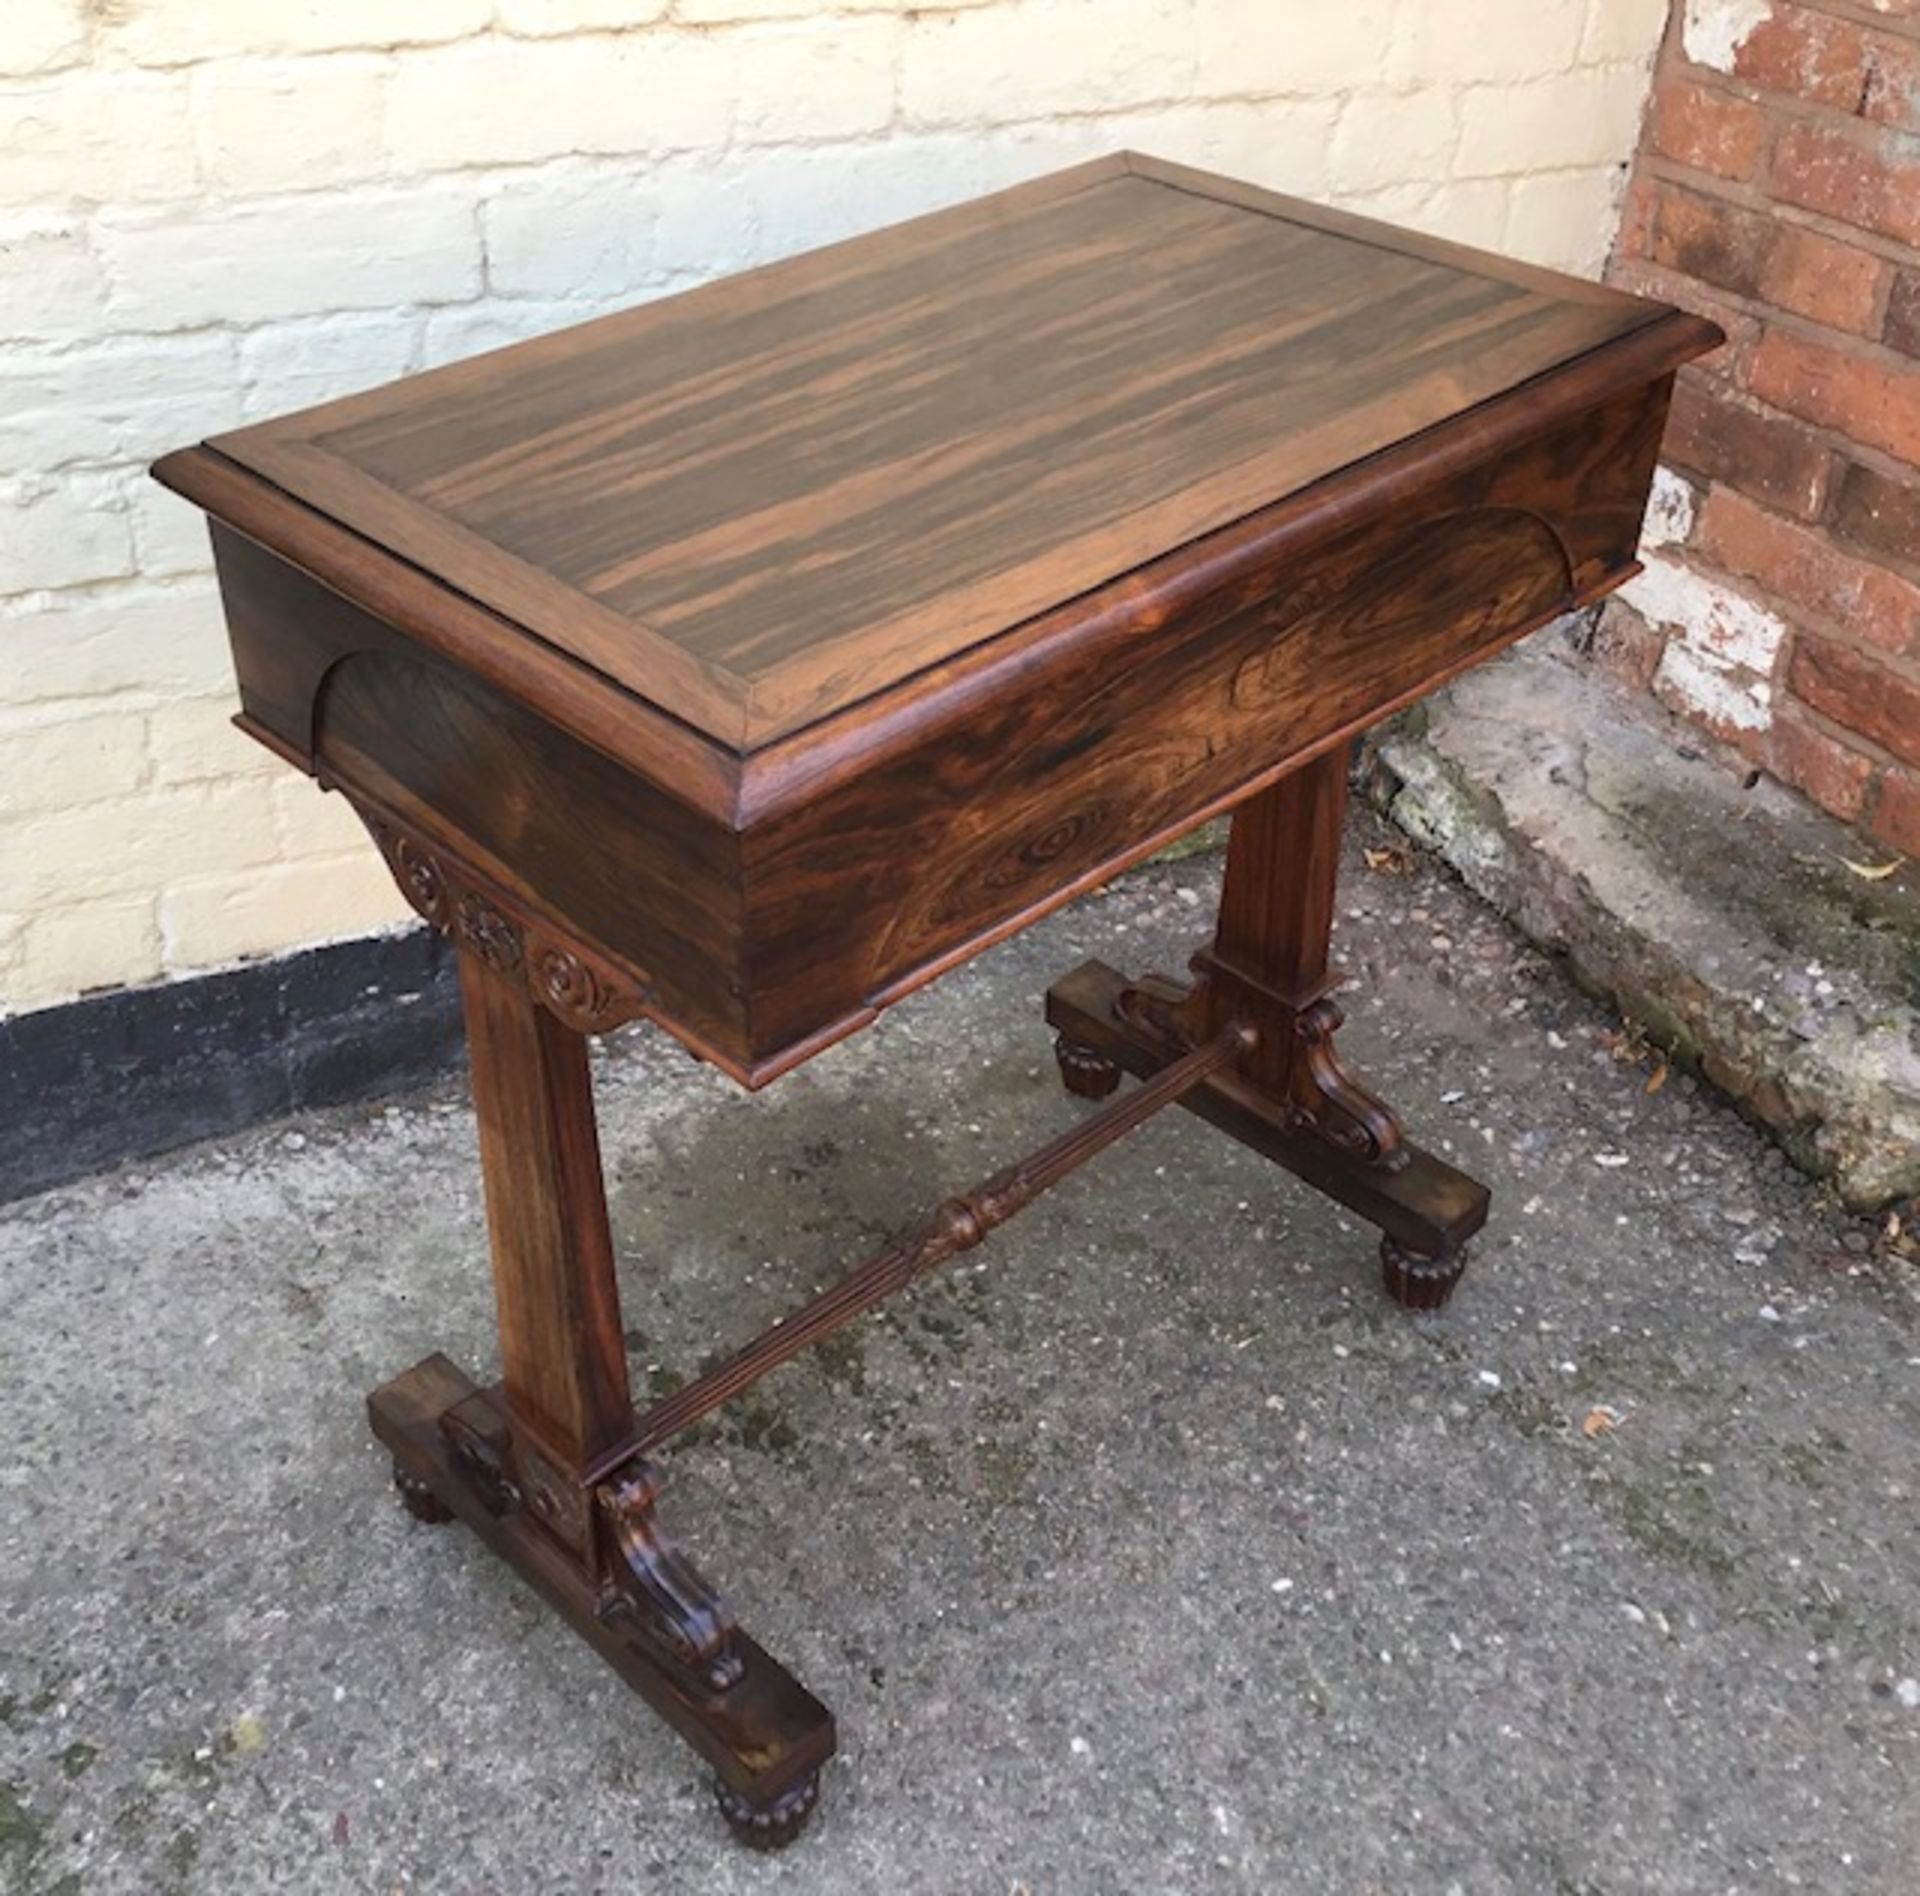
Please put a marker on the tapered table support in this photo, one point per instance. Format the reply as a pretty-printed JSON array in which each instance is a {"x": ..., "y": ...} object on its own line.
[
  {"x": 544, "y": 1467},
  {"x": 1291, "y": 1099},
  {"x": 765, "y": 1735},
  {"x": 550, "y": 1467}
]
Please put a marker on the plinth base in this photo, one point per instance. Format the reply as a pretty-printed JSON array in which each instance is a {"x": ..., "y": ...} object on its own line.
[
  {"x": 765, "y": 1734},
  {"x": 1426, "y": 1209}
]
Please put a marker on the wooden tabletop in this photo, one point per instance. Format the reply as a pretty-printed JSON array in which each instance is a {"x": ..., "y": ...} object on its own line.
[{"x": 762, "y": 501}]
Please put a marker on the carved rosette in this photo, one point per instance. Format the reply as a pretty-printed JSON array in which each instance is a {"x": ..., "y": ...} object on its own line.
[
  {"x": 489, "y": 933},
  {"x": 574, "y": 985},
  {"x": 568, "y": 987},
  {"x": 416, "y": 872}
]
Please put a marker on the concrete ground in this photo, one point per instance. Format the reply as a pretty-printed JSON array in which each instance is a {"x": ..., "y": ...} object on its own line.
[
  {"x": 1726, "y": 914},
  {"x": 1149, "y": 1550}
]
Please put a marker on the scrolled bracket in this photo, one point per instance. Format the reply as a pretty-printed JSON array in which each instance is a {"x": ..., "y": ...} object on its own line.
[
  {"x": 655, "y": 1588},
  {"x": 1332, "y": 1104},
  {"x": 584, "y": 990},
  {"x": 1297, "y": 1065}
]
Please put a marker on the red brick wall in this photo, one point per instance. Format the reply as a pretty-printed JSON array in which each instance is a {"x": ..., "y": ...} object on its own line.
[{"x": 1777, "y": 189}]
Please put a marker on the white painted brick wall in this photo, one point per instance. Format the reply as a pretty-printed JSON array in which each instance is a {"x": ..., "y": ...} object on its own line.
[
  {"x": 1720, "y": 657},
  {"x": 216, "y": 210}
]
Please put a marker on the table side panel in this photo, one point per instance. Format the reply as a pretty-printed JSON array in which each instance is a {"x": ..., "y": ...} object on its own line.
[
  {"x": 999, "y": 812},
  {"x": 615, "y": 862}
]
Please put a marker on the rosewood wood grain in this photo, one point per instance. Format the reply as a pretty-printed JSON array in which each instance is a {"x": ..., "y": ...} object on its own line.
[
  {"x": 982, "y": 810},
  {"x": 741, "y": 662},
  {"x": 564, "y": 1364},
  {"x": 760, "y": 509},
  {"x": 1161, "y": 717},
  {"x": 1269, "y": 960},
  {"x": 740, "y": 787},
  {"x": 655, "y": 894}
]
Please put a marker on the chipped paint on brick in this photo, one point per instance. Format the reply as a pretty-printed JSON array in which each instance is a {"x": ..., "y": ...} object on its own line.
[
  {"x": 1711, "y": 617},
  {"x": 1715, "y": 30}
]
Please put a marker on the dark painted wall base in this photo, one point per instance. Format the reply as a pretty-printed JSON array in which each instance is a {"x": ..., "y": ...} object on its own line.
[{"x": 123, "y": 1076}]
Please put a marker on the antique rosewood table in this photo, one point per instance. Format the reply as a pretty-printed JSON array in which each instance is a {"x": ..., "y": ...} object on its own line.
[{"x": 743, "y": 661}]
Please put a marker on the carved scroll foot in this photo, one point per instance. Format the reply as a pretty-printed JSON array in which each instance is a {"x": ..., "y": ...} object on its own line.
[
  {"x": 1420, "y": 1281},
  {"x": 419, "y": 1500},
  {"x": 1427, "y": 1207},
  {"x": 769, "y": 1826},
  {"x": 617, "y": 1586},
  {"x": 1084, "y": 1072}
]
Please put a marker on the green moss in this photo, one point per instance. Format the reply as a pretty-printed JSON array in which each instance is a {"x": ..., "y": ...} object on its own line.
[
  {"x": 1197, "y": 842},
  {"x": 182, "y": 1853},
  {"x": 1811, "y": 1462},
  {"x": 762, "y": 1428},
  {"x": 1672, "y": 1519},
  {"x": 929, "y": 1464},
  {"x": 1003, "y": 1412},
  {"x": 842, "y": 1359},
  {"x": 135, "y": 1814},
  {"x": 78, "y": 1758},
  {"x": 190, "y": 1767},
  {"x": 21, "y": 1833},
  {"x": 1003, "y": 1472},
  {"x": 1527, "y": 1412},
  {"x": 1907, "y": 967}
]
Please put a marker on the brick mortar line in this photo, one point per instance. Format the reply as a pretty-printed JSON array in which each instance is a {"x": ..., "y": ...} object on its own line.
[
  {"x": 1791, "y": 322},
  {"x": 669, "y": 25},
  {"x": 1753, "y": 196},
  {"x": 1889, "y": 467},
  {"x": 1893, "y": 25},
  {"x": 1864, "y": 748},
  {"x": 1792, "y": 614},
  {"x": 1758, "y": 92},
  {"x": 93, "y": 215}
]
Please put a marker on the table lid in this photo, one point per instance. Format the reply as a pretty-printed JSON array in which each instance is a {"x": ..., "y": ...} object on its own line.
[{"x": 761, "y": 501}]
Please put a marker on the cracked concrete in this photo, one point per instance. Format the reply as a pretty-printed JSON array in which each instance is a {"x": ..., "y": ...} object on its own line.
[
  {"x": 1724, "y": 915},
  {"x": 1149, "y": 1548}
]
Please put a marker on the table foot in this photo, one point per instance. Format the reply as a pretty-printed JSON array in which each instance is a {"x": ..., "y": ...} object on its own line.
[
  {"x": 1084, "y": 1071},
  {"x": 1420, "y": 1282},
  {"x": 772, "y": 1825},
  {"x": 1426, "y": 1209},
  {"x": 599, "y": 1557},
  {"x": 419, "y": 1500}
]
